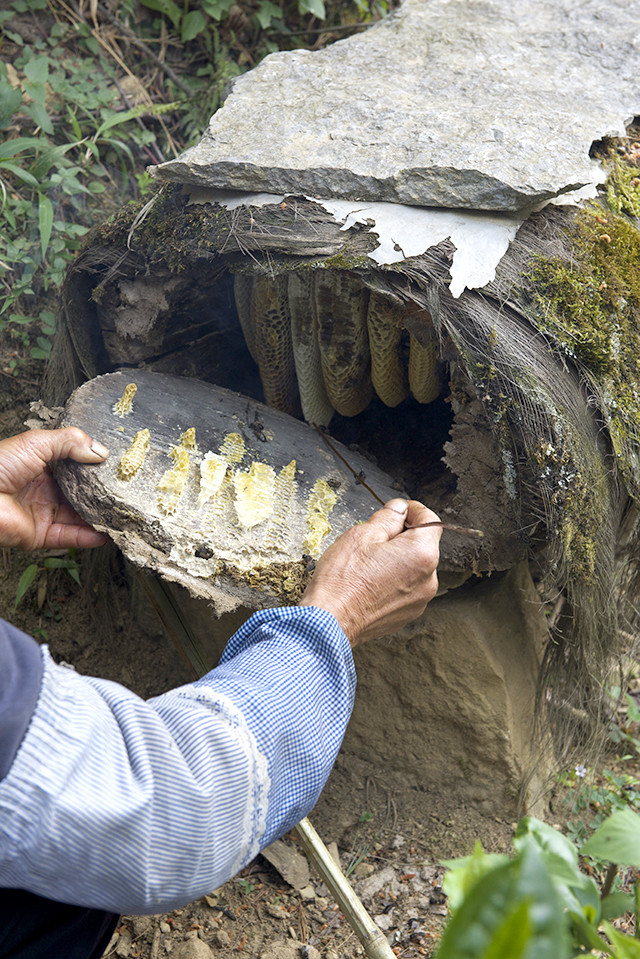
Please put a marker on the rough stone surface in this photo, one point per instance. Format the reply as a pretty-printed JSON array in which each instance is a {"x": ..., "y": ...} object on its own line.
[
  {"x": 485, "y": 105},
  {"x": 293, "y": 867},
  {"x": 192, "y": 949}
]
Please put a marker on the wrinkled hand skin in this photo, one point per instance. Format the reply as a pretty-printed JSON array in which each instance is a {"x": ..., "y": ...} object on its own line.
[
  {"x": 379, "y": 576},
  {"x": 33, "y": 512}
]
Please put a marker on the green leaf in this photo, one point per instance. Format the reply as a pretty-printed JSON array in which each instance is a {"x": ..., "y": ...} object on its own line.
[
  {"x": 464, "y": 873},
  {"x": 625, "y": 947},
  {"x": 49, "y": 158},
  {"x": 193, "y": 24},
  {"x": 115, "y": 119},
  {"x": 616, "y": 904},
  {"x": 578, "y": 892},
  {"x": 18, "y": 172},
  {"x": 168, "y": 7},
  {"x": 45, "y": 222},
  {"x": 217, "y": 8},
  {"x": 511, "y": 913},
  {"x": 37, "y": 70},
  {"x": 10, "y": 100},
  {"x": 617, "y": 840},
  {"x": 25, "y": 582},
  {"x": 40, "y": 116},
  {"x": 18, "y": 145},
  {"x": 315, "y": 7},
  {"x": 267, "y": 12}
]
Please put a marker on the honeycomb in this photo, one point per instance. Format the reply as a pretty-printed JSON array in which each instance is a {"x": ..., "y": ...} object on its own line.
[{"x": 323, "y": 343}]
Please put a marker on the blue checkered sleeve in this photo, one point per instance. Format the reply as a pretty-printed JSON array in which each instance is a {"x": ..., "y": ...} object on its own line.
[{"x": 134, "y": 806}]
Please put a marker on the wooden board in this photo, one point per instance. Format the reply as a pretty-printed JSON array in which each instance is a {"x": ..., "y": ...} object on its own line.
[{"x": 249, "y": 530}]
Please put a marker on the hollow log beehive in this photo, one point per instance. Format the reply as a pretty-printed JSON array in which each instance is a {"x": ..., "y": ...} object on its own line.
[{"x": 474, "y": 405}]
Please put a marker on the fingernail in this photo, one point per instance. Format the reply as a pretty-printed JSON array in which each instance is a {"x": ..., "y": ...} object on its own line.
[
  {"x": 99, "y": 449},
  {"x": 399, "y": 506}
]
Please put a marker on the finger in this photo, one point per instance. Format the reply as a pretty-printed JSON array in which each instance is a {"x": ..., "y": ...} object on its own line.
[
  {"x": 387, "y": 522},
  {"x": 65, "y": 536},
  {"x": 25, "y": 456},
  {"x": 67, "y": 443},
  {"x": 418, "y": 513}
]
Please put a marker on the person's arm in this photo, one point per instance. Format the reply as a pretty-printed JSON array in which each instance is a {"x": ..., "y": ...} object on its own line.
[{"x": 132, "y": 806}]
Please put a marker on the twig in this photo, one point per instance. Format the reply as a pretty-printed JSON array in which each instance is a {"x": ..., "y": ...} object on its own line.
[
  {"x": 371, "y": 937},
  {"x": 463, "y": 530},
  {"x": 150, "y": 53},
  {"x": 127, "y": 104},
  {"x": 610, "y": 875}
]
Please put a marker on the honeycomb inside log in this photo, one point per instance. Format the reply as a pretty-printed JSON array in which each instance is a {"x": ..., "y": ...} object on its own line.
[
  {"x": 345, "y": 349},
  {"x": 359, "y": 371}
]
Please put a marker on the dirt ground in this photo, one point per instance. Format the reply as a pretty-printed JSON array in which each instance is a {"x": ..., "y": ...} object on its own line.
[{"x": 372, "y": 822}]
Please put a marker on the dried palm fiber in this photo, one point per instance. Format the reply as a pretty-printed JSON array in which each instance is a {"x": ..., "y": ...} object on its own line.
[
  {"x": 242, "y": 287},
  {"x": 271, "y": 326},
  {"x": 384, "y": 324},
  {"x": 557, "y": 467},
  {"x": 341, "y": 304},
  {"x": 316, "y": 407}
]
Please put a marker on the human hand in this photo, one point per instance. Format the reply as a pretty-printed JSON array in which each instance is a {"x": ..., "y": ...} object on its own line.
[
  {"x": 378, "y": 576},
  {"x": 33, "y": 512}
]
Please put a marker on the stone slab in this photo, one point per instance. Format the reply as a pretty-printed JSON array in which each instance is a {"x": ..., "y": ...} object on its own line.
[{"x": 490, "y": 104}]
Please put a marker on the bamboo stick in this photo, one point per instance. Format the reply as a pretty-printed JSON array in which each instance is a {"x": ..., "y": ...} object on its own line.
[{"x": 372, "y": 938}]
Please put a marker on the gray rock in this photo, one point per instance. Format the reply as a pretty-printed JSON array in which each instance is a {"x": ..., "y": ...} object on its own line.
[
  {"x": 293, "y": 867},
  {"x": 192, "y": 949},
  {"x": 488, "y": 105},
  {"x": 368, "y": 888},
  {"x": 281, "y": 950}
]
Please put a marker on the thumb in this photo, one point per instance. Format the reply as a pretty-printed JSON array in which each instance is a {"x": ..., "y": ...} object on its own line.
[
  {"x": 388, "y": 522},
  {"x": 67, "y": 443}
]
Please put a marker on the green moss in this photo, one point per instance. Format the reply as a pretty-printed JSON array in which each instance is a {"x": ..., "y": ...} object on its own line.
[
  {"x": 623, "y": 187},
  {"x": 589, "y": 306}
]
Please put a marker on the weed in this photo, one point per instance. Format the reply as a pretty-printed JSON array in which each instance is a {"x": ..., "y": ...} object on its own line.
[{"x": 39, "y": 574}]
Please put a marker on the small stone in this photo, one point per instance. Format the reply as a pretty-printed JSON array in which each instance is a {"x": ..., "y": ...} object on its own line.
[
  {"x": 332, "y": 849},
  {"x": 307, "y": 893},
  {"x": 291, "y": 865},
  {"x": 165, "y": 927},
  {"x": 385, "y": 921},
  {"x": 221, "y": 938},
  {"x": 363, "y": 869},
  {"x": 141, "y": 925},
  {"x": 123, "y": 946},
  {"x": 369, "y": 887},
  {"x": 275, "y": 910},
  {"x": 281, "y": 950},
  {"x": 192, "y": 949}
]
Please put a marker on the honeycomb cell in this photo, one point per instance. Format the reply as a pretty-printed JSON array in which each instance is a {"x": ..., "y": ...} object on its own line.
[
  {"x": 125, "y": 404},
  {"x": 316, "y": 407},
  {"x": 173, "y": 483},
  {"x": 271, "y": 325},
  {"x": 278, "y": 534},
  {"x": 424, "y": 375},
  {"x": 384, "y": 323},
  {"x": 254, "y": 489},
  {"x": 341, "y": 304},
  {"x": 321, "y": 501},
  {"x": 133, "y": 458}
]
